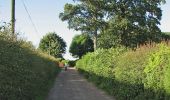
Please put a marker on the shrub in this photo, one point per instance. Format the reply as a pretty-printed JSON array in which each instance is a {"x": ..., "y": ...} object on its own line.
[
  {"x": 130, "y": 75},
  {"x": 156, "y": 71},
  {"x": 98, "y": 66},
  {"x": 72, "y": 63}
]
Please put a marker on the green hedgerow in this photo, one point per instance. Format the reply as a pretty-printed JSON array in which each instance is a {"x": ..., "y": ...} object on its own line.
[
  {"x": 130, "y": 75},
  {"x": 25, "y": 73}
]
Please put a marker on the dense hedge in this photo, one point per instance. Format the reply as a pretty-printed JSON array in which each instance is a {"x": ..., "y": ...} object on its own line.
[
  {"x": 72, "y": 63},
  {"x": 143, "y": 74},
  {"x": 25, "y": 73}
]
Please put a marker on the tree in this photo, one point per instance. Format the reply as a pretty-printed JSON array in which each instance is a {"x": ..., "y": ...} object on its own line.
[
  {"x": 81, "y": 44},
  {"x": 134, "y": 21},
  {"x": 108, "y": 40},
  {"x": 86, "y": 16},
  {"x": 53, "y": 44},
  {"x": 5, "y": 32}
]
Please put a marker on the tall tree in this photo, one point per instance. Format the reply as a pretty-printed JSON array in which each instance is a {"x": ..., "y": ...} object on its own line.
[
  {"x": 53, "y": 44},
  {"x": 85, "y": 16},
  {"x": 81, "y": 44},
  {"x": 107, "y": 39},
  {"x": 135, "y": 21},
  {"x": 132, "y": 21}
]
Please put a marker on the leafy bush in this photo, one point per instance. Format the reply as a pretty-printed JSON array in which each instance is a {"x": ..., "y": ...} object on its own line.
[
  {"x": 166, "y": 82},
  {"x": 133, "y": 75},
  {"x": 156, "y": 71},
  {"x": 25, "y": 73},
  {"x": 72, "y": 63},
  {"x": 129, "y": 72},
  {"x": 98, "y": 66}
]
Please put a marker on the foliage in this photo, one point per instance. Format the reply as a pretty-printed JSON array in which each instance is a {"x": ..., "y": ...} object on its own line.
[
  {"x": 53, "y": 44},
  {"x": 132, "y": 22},
  {"x": 165, "y": 36},
  {"x": 156, "y": 71},
  {"x": 108, "y": 40},
  {"x": 81, "y": 44},
  {"x": 167, "y": 80},
  {"x": 25, "y": 73},
  {"x": 64, "y": 61},
  {"x": 136, "y": 22},
  {"x": 5, "y": 32},
  {"x": 72, "y": 63},
  {"x": 98, "y": 66},
  {"x": 130, "y": 75},
  {"x": 85, "y": 16}
]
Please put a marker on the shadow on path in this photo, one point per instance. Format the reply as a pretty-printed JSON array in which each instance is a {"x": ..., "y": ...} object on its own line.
[{"x": 70, "y": 85}]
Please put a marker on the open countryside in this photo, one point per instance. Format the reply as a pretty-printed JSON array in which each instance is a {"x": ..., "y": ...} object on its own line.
[{"x": 84, "y": 50}]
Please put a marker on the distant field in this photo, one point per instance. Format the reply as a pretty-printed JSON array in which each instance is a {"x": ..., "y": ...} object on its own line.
[{"x": 168, "y": 33}]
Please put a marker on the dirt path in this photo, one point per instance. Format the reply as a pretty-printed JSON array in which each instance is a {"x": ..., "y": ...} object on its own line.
[{"x": 70, "y": 85}]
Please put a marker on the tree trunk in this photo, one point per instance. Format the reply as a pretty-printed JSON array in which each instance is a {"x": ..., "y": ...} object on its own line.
[{"x": 95, "y": 41}]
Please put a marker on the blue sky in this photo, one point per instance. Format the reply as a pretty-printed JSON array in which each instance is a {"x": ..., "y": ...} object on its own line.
[{"x": 45, "y": 14}]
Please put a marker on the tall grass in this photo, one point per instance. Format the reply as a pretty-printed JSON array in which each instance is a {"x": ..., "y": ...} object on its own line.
[{"x": 25, "y": 73}]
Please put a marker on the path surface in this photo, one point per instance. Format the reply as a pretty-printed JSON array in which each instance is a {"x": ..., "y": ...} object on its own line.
[{"x": 70, "y": 85}]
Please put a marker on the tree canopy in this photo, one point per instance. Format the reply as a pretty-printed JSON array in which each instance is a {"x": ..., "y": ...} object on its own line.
[
  {"x": 133, "y": 22},
  {"x": 86, "y": 16},
  {"x": 108, "y": 40},
  {"x": 81, "y": 44},
  {"x": 53, "y": 44}
]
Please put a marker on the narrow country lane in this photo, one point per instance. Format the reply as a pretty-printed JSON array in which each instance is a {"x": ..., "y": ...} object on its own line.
[{"x": 70, "y": 85}]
